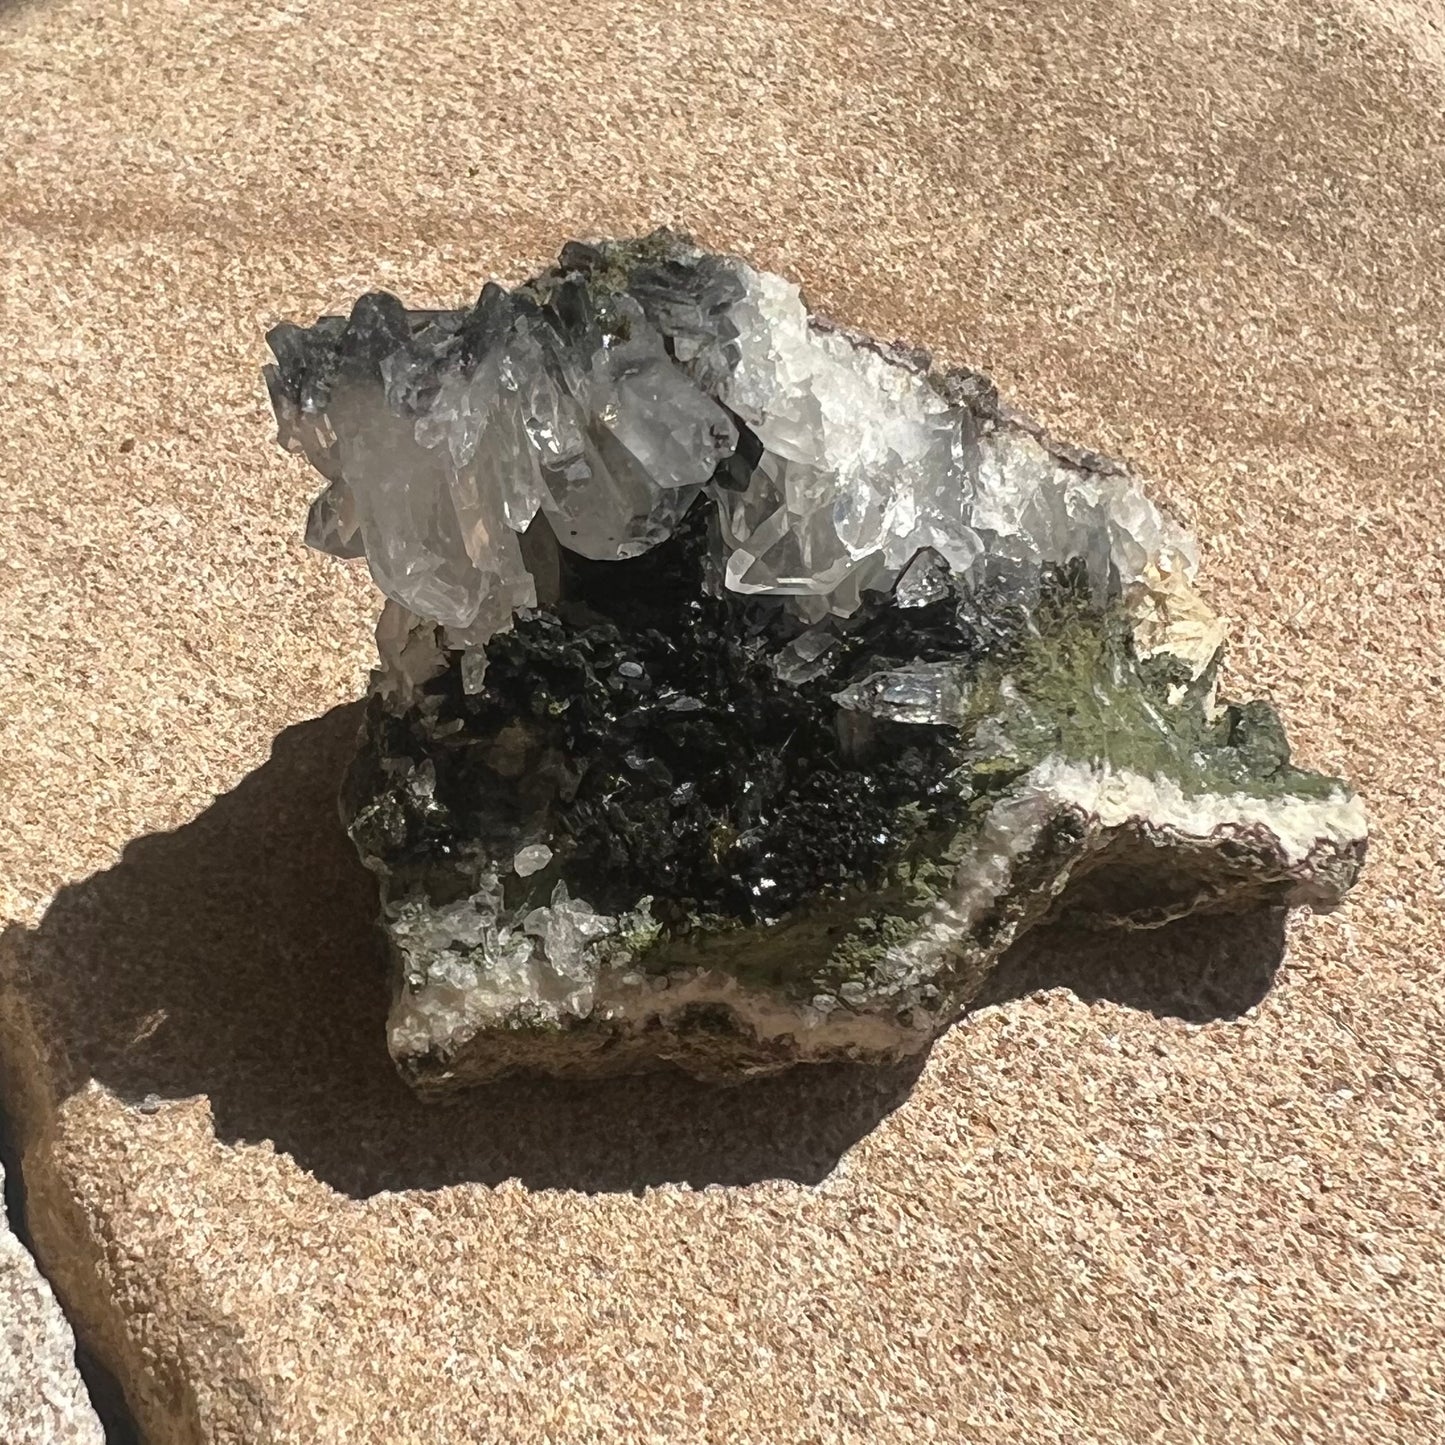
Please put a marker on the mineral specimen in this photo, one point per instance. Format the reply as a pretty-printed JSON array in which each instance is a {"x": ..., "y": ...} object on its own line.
[{"x": 748, "y": 685}]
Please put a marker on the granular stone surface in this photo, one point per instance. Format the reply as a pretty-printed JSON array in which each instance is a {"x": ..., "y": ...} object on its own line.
[
  {"x": 42, "y": 1397},
  {"x": 1183, "y": 1191}
]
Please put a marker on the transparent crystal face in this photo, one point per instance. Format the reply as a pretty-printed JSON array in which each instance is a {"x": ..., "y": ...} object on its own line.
[{"x": 611, "y": 394}]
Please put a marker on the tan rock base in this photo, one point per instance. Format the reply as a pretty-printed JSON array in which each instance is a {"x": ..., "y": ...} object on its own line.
[{"x": 1202, "y": 236}]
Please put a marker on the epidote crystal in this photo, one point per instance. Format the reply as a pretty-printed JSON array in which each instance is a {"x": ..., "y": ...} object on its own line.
[{"x": 748, "y": 685}]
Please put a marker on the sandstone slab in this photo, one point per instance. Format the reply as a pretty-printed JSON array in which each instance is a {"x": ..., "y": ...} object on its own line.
[{"x": 1161, "y": 1199}]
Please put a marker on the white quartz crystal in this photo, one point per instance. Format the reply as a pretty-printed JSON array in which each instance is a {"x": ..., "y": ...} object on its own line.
[
  {"x": 438, "y": 458},
  {"x": 866, "y": 465},
  {"x": 531, "y": 859}
]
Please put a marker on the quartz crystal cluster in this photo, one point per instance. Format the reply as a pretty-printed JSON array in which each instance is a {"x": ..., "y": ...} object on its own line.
[{"x": 748, "y": 685}]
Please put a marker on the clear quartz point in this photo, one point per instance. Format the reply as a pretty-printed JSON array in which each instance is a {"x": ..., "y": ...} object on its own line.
[
  {"x": 924, "y": 581},
  {"x": 922, "y": 693},
  {"x": 614, "y": 392}
]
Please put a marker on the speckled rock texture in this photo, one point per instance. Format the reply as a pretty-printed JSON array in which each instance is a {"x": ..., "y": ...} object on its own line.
[
  {"x": 1185, "y": 1191},
  {"x": 42, "y": 1397}
]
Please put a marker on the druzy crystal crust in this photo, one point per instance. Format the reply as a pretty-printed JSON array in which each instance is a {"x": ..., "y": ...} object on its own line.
[{"x": 748, "y": 685}]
